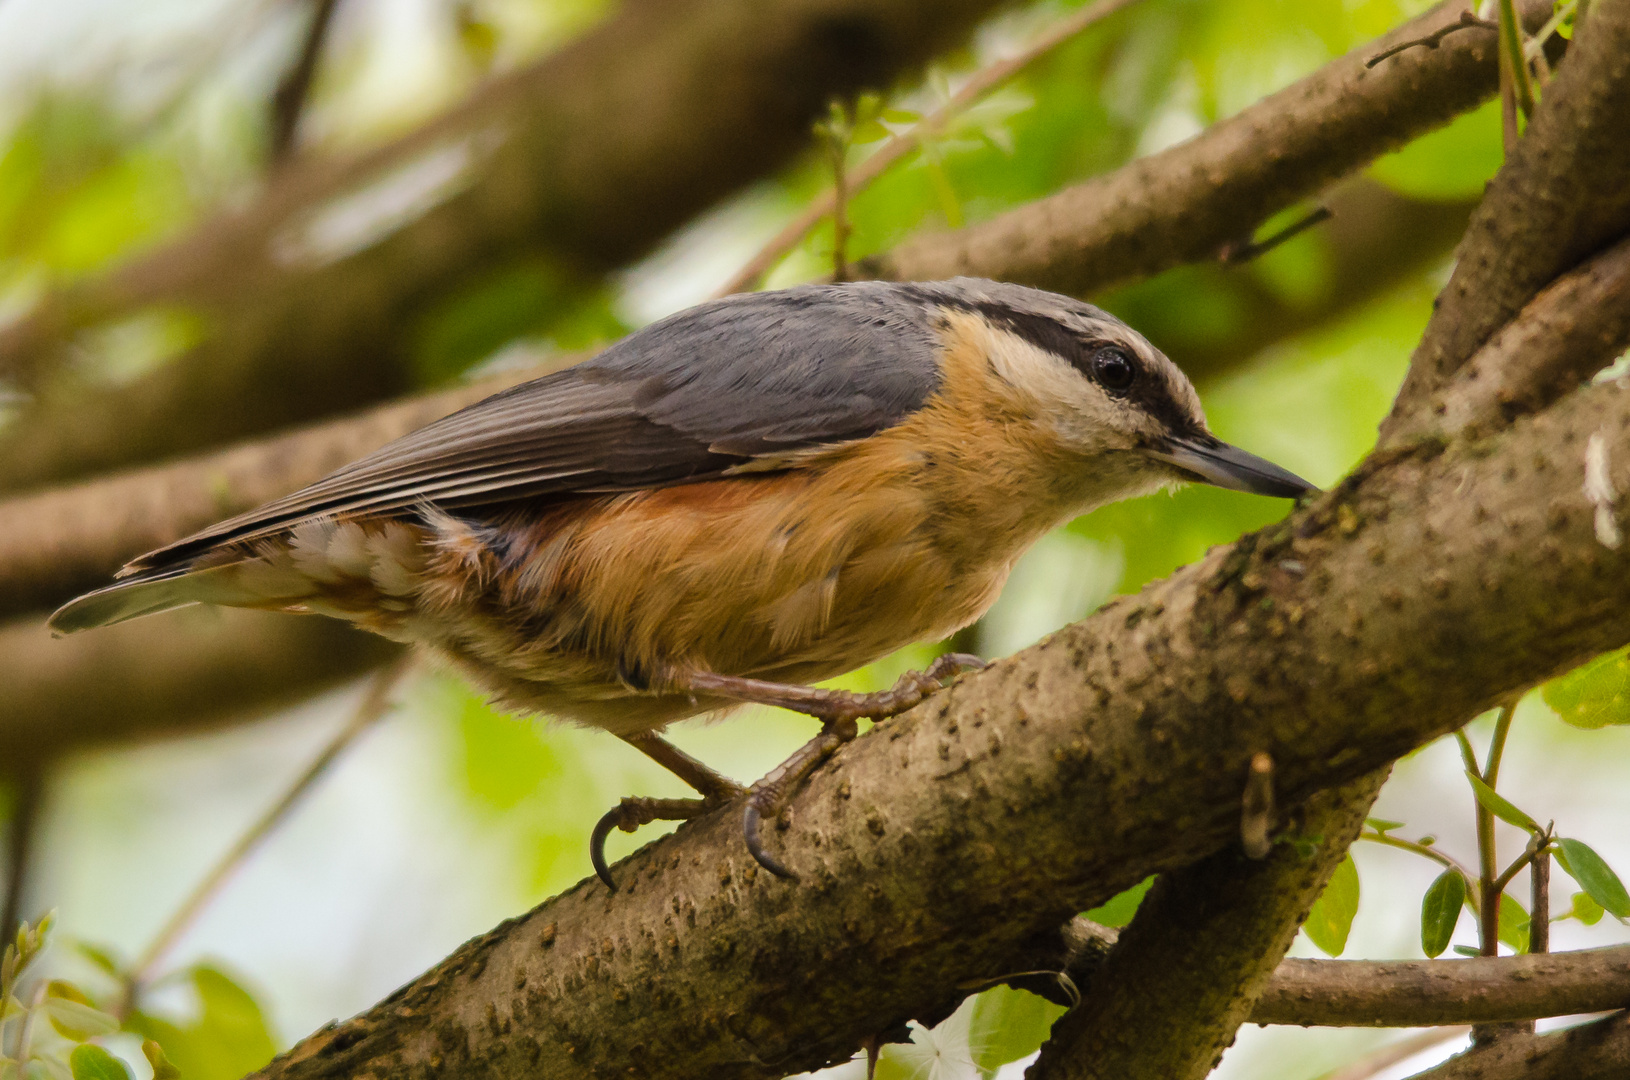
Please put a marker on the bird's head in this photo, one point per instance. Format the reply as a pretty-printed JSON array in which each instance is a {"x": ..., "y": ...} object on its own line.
[{"x": 1104, "y": 393}]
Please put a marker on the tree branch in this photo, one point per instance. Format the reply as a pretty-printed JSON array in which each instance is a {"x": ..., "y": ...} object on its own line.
[
  {"x": 1186, "y": 203},
  {"x": 1202, "y": 948},
  {"x": 177, "y": 672},
  {"x": 289, "y": 101},
  {"x": 1111, "y": 750},
  {"x": 1596, "y": 1051},
  {"x": 1542, "y": 354},
  {"x": 1385, "y": 993},
  {"x": 579, "y": 164},
  {"x": 1563, "y": 194}
]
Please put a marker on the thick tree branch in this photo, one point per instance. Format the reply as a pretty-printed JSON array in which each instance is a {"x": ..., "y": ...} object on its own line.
[
  {"x": 1112, "y": 750},
  {"x": 1596, "y": 1051},
  {"x": 580, "y": 164},
  {"x": 1186, "y": 203},
  {"x": 1202, "y": 948},
  {"x": 172, "y": 673},
  {"x": 1563, "y": 194},
  {"x": 1567, "y": 333}
]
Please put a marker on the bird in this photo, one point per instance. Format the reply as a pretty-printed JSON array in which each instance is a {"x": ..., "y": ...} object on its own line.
[{"x": 725, "y": 507}]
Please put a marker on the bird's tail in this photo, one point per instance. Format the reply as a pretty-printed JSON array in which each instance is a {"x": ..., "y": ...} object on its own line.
[{"x": 155, "y": 591}]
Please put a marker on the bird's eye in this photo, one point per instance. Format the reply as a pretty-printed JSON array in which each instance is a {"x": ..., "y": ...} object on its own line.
[{"x": 1113, "y": 369}]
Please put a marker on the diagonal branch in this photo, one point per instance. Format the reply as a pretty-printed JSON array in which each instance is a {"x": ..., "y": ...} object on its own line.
[
  {"x": 1184, "y": 204},
  {"x": 1594, "y": 1051},
  {"x": 1563, "y": 195},
  {"x": 1064, "y": 774},
  {"x": 289, "y": 101}
]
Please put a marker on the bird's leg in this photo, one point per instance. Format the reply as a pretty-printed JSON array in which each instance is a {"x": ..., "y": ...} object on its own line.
[
  {"x": 839, "y": 709},
  {"x": 629, "y": 814}
]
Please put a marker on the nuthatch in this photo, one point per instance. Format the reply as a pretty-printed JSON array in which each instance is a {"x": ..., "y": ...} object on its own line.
[{"x": 735, "y": 502}]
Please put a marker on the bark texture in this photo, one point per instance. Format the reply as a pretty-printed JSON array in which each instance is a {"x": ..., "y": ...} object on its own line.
[
  {"x": 1064, "y": 774},
  {"x": 1184, "y": 204},
  {"x": 1204, "y": 945},
  {"x": 1594, "y": 1051},
  {"x": 1563, "y": 194},
  {"x": 579, "y": 164}
]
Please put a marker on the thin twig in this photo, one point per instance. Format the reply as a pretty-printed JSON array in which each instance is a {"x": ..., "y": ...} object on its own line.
[
  {"x": 1244, "y": 251},
  {"x": 1442, "y": 858},
  {"x": 289, "y": 100},
  {"x": 1468, "y": 21},
  {"x": 1392, "y": 1053},
  {"x": 375, "y": 703},
  {"x": 1490, "y": 887},
  {"x": 29, "y": 778},
  {"x": 981, "y": 83}
]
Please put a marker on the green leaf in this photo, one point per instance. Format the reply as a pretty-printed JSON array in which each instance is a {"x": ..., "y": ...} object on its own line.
[
  {"x": 1330, "y": 920},
  {"x": 73, "y": 1016},
  {"x": 1382, "y": 825},
  {"x": 1440, "y": 911},
  {"x": 99, "y": 956},
  {"x": 1118, "y": 911},
  {"x": 161, "y": 1065},
  {"x": 1593, "y": 695},
  {"x": 229, "y": 1038},
  {"x": 1009, "y": 1024},
  {"x": 1467, "y": 950},
  {"x": 1594, "y": 876},
  {"x": 1499, "y": 806},
  {"x": 91, "y": 1062},
  {"x": 1587, "y": 910},
  {"x": 1513, "y": 928}
]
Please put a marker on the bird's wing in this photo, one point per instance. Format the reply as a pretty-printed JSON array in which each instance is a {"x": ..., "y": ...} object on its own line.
[{"x": 683, "y": 400}]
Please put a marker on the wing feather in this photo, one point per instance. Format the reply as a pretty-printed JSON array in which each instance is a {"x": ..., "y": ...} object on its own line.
[{"x": 683, "y": 400}]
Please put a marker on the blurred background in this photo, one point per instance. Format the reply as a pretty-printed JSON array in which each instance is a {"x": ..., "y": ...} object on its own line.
[{"x": 124, "y": 127}]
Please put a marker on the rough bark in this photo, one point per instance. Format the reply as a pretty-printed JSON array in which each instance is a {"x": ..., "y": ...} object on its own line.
[
  {"x": 1203, "y": 947},
  {"x": 1566, "y": 334},
  {"x": 167, "y": 674},
  {"x": 581, "y": 163},
  {"x": 1183, "y": 204},
  {"x": 1563, "y": 194},
  {"x": 1062, "y": 775},
  {"x": 1596, "y": 1051}
]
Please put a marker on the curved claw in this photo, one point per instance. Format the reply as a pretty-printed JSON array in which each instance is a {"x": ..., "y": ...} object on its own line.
[
  {"x": 597, "y": 844},
  {"x": 755, "y": 845},
  {"x": 954, "y": 663}
]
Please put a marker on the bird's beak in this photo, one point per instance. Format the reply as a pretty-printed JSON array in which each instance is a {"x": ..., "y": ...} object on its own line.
[{"x": 1215, "y": 462}]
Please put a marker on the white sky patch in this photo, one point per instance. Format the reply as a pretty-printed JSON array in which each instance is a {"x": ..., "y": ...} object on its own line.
[{"x": 1600, "y": 492}]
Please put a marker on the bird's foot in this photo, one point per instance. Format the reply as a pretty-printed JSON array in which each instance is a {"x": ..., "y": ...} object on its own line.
[
  {"x": 632, "y": 812},
  {"x": 841, "y": 710}
]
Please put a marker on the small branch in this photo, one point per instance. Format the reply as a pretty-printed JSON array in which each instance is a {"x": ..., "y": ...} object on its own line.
[
  {"x": 1237, "y": 252},
  {"x": 1444, "y": 859},
  {"x": 1385, "y": 993},
  {"x": 1468, "y": 21},
  {"x": 1391, "y": 1054},
  {"x": 289, "y": 101},
  {"x": 897, "y": 148},
  {"x": 374, "y": 704},
  {"x": 1539, "y": 925},
  {"x": 27, "y": 777}
]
